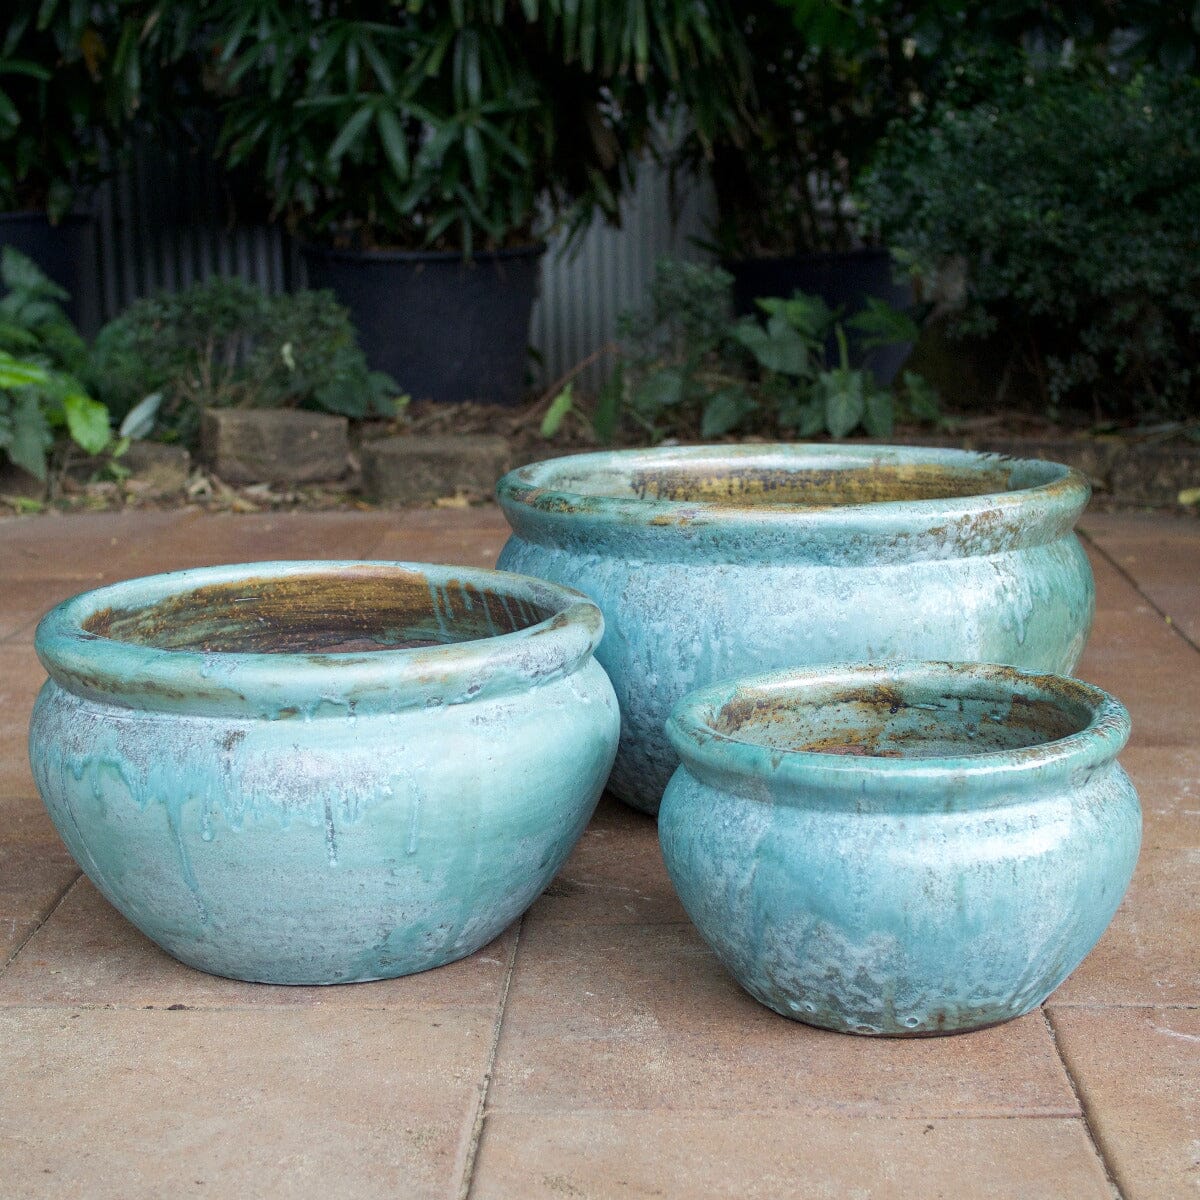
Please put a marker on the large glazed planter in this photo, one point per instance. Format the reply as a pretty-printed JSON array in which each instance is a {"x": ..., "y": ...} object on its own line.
[
  {"x": 716, "y": 562},
  {"x": 444, "y": 329},
  {"x": 322, "y": 772},
  {"x": 920, "y": 849}
]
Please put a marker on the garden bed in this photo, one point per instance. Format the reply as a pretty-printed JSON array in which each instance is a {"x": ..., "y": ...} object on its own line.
[{"x": 1127, "y": 469}]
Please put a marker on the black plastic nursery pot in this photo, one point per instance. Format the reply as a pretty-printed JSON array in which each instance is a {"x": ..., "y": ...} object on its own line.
[
  {"x": 444, "y": 329},
  {"x": 63, "y": 251},
  {"x": 843, "y": 279}
]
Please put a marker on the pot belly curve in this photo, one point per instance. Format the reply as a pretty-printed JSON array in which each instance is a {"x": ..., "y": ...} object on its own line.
[
  {"x": 900, "y": 923},
  {"x": 674, "y": 625},
  {"x": 328, "y": 848}
]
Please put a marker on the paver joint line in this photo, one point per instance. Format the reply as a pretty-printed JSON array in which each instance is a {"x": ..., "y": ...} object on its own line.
[
  {"x": 1116, "y": 566},
  {"x": 1084, "y": 1108},
  {"x": 476, "y": 1130},
  {"x": 12, "y": 958}
]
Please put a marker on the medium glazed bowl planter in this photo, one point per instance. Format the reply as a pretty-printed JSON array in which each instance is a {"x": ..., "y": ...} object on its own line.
[
  {"x": 322, "y": 772},
  {"x": 712, "y": 563},
  {"x": 922, "y": 849}
]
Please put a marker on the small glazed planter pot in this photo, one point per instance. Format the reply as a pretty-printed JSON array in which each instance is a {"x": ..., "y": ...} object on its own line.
[
  {"x": 322, "y": 772},
  {"x": 923, "y": 849},
  {"x": 712, "y": 563}
]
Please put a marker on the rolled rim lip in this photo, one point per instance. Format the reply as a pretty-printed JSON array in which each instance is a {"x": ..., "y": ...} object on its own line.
[
  {"x": 532, "y": 487},
  {"x": 1090, "y": 748},
  {"x": 262, "y": 683}
]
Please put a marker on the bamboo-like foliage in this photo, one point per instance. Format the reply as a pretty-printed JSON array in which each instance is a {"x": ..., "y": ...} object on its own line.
[
  {"x": 79, "y": 79},
  {"x": 456, "y": 125}
]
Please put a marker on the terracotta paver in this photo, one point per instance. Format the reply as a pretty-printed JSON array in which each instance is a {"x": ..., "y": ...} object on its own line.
[
  {"x": 1160, "y": 554},
  {"x": 551, "y": 1156},
  {"x": 21, "y": 678},
  {"x": 1138, "y": 1072},
  {"x": 1149, "y": 953},
  {"x": 34, "y": 876},
  {"x": 1133, "y": 656},
  {"x": 644, "y": 1017},
  {"x": 135, "y": 1105},
  {"x": 14, "y": 933},
  {"x": 84, "y": 546},
  {"x": 1168, "y": 781},
  {"x": 599, "y": 1046}
]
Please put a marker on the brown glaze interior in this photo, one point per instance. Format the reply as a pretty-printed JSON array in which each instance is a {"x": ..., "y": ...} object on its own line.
[
  {"x": 887, "y": 722},
  {"x": 815, "y": 486},
  {"x": 354, "y": 609}
]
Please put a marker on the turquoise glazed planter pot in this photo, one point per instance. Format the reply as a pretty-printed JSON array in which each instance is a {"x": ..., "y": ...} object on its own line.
[
  {"x": 321, "y": 772},
  {"x": 921, "y": 849},
  {"x": 712, "y": 563}
]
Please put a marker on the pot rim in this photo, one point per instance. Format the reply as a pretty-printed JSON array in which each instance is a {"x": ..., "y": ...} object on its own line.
[
  {"x": 292, "y": 683},
  {"x": 962, "y": 777},
  {"x": 1041, "y": 506},
  {"x": 814, "y": 257},
  {"x": 527, "y": 250}
]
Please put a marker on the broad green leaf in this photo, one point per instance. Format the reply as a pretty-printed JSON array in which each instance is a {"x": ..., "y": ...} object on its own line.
[
  {"x": 777, "y": 348},
  {"x": 31, "y": 436},
  {"x": 348, "y": 397},
  {"x": 139, "y": 420},
  {"x": 660, "y": 390},
  {"x": 809, "y": 316},
  {"x": 788, "y": 410},
  {"x": 725, "y": 411},
  {"x": 921, "y": 397},
  {"x": 22, "y": 274},
  {"x": 879, "y": 414},
  {"x": 557, "y": 412},
  {"x": 812, "y": 419},
  {"x": 882, "y": 325},
  {"x": 845, "y": 402},
  {"x": 14, "y": 335},
  {"x": 87, "y": 421},
  {"x": 386, "y": 400},
  {"x": 18, "y": 373}
]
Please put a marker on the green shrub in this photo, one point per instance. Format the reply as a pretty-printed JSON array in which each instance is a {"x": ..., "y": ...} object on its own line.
[
  {"x": 40, "y": 354},
  {"x": 225, "y": 344},
  {"x": 829, "y": 76},
  {"x": 1068, "y": 201},
  {"x": 686, "y": 367}
]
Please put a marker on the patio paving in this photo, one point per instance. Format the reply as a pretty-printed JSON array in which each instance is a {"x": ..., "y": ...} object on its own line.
[{"x": 596, "y": 1049}]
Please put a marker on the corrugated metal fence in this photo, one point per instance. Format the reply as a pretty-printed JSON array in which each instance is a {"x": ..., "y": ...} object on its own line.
[{"x": 162, "y": 225}]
